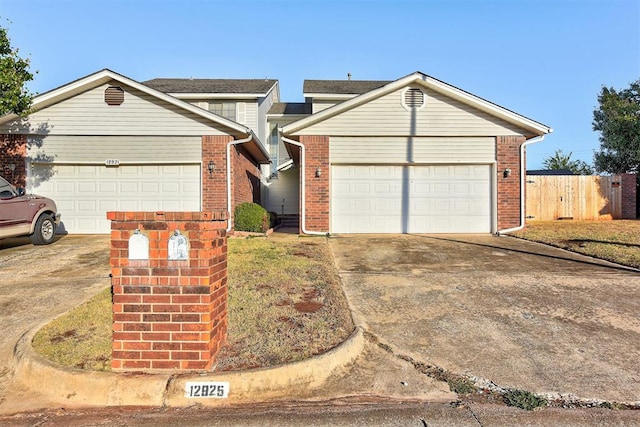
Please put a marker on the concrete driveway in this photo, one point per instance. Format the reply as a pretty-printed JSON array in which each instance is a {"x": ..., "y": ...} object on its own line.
[
  {"x": 515, "y": 313},
  {"x": 40, "y": 282}
]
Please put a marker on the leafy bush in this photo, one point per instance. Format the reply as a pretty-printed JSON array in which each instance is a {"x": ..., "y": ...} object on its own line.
[
  {"x": 251, "y": 217},
  {"x": 523, "y": 400}
]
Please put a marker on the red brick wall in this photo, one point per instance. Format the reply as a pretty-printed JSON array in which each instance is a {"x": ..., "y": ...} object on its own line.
[
  {"x": 629, "y": 194},
  {"x": 13, "y": 149},
  {"x": 168, "y": 314},
  {"x": 317, "y": 188},
  {"x": 508, "y": 157},
  {"x": 246, "y": 178},
  {"x": 245, "y": 175},
  {"x": 214, "y": 185}
]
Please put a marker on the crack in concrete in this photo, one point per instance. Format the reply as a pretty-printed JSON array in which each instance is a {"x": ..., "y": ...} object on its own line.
[
  {"x": 478, "y": 384},
  {"x": 165, "y": 393}
]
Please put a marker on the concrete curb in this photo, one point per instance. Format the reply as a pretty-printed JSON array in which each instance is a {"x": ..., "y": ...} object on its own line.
[{"x": 73, "y": 388}]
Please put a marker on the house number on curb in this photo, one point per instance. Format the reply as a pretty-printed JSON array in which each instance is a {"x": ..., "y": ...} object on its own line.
[{"x": 210, "y": 389}]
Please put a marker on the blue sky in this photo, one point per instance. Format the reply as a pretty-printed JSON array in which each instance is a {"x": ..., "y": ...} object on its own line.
[{"x": 544, "y": 59}]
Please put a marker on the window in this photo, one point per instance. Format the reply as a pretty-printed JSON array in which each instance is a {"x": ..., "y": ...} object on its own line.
[{"x": 224, "y": 109}]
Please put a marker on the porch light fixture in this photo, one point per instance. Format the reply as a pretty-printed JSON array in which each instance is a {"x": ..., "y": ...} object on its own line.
[
  {"x": 506, "y": 173},
  {"x": 211, "y": 166},
  {"x": 318, "y": 173}
]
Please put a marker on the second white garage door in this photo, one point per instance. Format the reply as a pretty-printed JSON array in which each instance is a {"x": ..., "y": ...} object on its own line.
[
  {"x": 84, "y": 193},
  {"x": 411, "y": 199}
]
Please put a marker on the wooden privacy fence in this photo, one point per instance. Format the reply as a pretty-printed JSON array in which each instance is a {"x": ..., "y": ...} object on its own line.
[{"x": 550, "y": 197}]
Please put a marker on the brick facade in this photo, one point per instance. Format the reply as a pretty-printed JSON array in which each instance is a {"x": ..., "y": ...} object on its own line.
[
  {"x": 13, "y": 149},
  {"x": 629, "y": 196},
  {"x": 245, "y": 175},
  {"x": 508, "y": 157},
  {"x": 168, "y": 314},
  {"x": 214, "y": 184},
  {"x": 317, "y": 188},
  {"x": 246, "y": 178}
]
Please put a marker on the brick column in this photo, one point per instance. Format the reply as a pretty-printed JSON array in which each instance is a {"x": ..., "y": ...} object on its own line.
[
  {"x": 13, "y": 149},
  {"x": 629, "y": 195},
  {"x": 508, "y": 157},
  {"x": 214, "y": 184},
  {"x": 317, "y": 188},
  {"x": 168, "y": 314}
]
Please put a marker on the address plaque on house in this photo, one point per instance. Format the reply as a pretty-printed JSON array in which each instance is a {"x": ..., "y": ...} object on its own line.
[{"x": 112, "y": 162}]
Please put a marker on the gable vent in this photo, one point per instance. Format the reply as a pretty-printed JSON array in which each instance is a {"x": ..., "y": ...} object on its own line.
[
  {"x": 114, "y": 95},
  {"x": 414, "y": 98}
]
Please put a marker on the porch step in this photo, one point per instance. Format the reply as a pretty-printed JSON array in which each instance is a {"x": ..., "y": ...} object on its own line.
[{"x": 289, "y": 221}]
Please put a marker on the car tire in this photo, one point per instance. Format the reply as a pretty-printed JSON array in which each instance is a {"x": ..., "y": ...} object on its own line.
[{"x": 45, "y": 230}]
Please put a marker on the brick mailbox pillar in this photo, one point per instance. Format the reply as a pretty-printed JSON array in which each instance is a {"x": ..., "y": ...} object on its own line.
[{"x": 169, "y": 277}]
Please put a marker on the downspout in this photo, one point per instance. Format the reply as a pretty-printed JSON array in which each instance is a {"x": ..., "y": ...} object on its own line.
[
  {"x": 303, "y": 190},
  {"x": 522, "y": 184},
  {"x": 229, "y": 207}
]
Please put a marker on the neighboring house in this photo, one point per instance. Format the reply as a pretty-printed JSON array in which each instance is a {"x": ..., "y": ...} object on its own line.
[
  {"x": 414, "y": 155},
  {"x": 108, "y": 143}
]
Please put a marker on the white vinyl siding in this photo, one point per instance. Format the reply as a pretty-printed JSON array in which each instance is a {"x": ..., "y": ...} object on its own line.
[
  {"x": 96, "y": 149},
  {"x": 85, "y": 193},
  {"x": 282, "y": 194},
  {"x": 417, "y": 149},
  {"x": 322, "y": 105},
  {"x": 139, "y": 114},
  {"x": 411, "y": 199},
  {"x": 386, "y": 116}
]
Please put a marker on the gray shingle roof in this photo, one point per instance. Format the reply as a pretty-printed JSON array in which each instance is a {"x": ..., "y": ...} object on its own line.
[
  {"x": 290, "y": 108},
  {"x": 259, "y": 86},
  {"x": 342, "y": 87}
]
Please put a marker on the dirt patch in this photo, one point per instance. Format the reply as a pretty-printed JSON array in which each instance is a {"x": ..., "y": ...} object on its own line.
[{"x": 308, "y": 306}]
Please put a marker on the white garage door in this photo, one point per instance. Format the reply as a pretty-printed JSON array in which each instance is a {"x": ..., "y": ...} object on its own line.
[
  {"x": 411, "y": 199},
  {"x": 84, "y": 193}
]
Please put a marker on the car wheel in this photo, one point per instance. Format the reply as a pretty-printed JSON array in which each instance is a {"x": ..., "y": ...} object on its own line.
[{"x": 45, "y": 230}]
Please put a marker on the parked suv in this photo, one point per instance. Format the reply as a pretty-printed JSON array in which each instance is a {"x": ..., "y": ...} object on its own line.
[{"x": 27, "y": 215}]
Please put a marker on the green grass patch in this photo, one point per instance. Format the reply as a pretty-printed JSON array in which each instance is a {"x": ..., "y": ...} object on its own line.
[
  {"x": 523, "y": 400},
  {"x": 285, "y": 304},
  {"x": 80, "y": 338},
  {"x": 615, "y": 241}
]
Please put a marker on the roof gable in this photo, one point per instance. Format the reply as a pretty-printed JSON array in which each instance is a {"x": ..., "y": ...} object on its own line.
[
  {"x": 419, "y": 79},
  {"x": 105, "y": 76}
]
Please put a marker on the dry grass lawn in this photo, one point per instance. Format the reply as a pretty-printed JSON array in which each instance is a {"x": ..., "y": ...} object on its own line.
[
  {"x": 617, "y": 241},
  {"x": 285, "y": 304}
]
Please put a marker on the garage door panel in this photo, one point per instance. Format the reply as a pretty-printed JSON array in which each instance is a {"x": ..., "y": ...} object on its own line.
[
  {"x": 441, "y": 199},
  {"x": 84, "y": 193}
]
